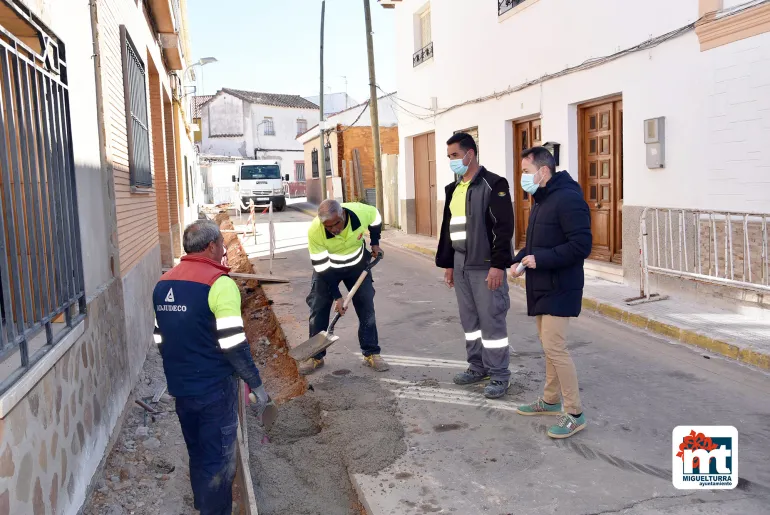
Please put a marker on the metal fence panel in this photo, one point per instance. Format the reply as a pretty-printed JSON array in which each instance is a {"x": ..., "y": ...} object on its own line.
[
  {"x": 723, "y": 248},
  {"x": 41, "y": 275}
]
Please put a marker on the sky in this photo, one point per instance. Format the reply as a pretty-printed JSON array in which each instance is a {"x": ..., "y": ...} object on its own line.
[{"x": 272, "y": 46}]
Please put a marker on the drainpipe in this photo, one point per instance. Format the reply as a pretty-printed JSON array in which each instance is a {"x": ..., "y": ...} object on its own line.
[{"x": 108, "y": 185}]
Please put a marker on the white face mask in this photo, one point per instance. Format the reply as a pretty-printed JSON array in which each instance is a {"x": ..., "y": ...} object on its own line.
[
  {"x": 529, "y": 184},
  {"x": 458, "y": 166}
]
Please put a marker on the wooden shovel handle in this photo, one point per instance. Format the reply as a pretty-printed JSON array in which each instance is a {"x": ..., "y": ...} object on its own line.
[{"x": 355, "y": 288}]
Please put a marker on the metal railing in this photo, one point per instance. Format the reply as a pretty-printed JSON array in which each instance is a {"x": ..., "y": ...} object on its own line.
[
  {"x": 41, "y": 273},
  {"x": 422, "y": 55},
  {"x": 723, "y": 248}
]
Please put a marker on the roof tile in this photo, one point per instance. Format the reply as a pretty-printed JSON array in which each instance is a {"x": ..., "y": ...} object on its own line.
[{"x": 271, "y": 99}]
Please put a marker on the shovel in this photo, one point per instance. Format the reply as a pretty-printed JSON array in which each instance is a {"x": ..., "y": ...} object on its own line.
[
  {"x": 268, "y": 415},
  {"x": 324, "y": 339}
]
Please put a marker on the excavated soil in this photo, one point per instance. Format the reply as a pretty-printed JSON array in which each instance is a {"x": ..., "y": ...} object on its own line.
[
  {"x": 342, "y": 425},
  {"x": 268, "y": 343}
]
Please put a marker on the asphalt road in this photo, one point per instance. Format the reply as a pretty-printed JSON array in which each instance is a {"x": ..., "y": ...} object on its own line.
[{"x": 468, "y": 455}]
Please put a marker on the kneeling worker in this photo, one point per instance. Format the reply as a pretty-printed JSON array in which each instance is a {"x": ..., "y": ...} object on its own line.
[
  {"x": 475, "y": 249},
  {"x": 338, "y": 254},
  {"x": 199, "y": 331}
]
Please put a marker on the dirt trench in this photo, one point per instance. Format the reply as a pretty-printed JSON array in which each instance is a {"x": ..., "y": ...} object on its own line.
[
  {"x": 268, "y": 343},
  {"x": 341, "y": 425}
]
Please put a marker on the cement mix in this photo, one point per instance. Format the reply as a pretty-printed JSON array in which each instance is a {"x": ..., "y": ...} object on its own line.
[{"x": 342, "y": 425}]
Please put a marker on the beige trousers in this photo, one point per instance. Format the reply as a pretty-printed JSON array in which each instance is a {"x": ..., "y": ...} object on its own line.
[{"x": 560, "y": 375}]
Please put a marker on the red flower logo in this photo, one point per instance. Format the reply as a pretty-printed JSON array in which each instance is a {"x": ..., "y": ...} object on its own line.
[{"x": 695, "y": 441}]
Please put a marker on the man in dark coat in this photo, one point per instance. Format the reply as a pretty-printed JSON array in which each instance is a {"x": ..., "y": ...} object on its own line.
[{"x": 558, "y": 241}]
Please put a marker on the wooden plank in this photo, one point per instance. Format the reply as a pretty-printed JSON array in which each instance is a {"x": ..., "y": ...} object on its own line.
[
  {"x": 247, "y": 493},
  {"x": 358, "y": 176},
  {"x": 260, "y": 278}
]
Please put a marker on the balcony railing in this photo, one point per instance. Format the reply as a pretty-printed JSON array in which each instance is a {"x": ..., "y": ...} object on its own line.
[
  {"x": 503, "y": 6},
  {"x": 422, "y": 55}
]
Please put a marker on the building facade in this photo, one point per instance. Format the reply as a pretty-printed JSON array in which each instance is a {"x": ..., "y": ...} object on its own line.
[
  {"x": 252, "y": 125},
  {"x": 646, "y": 111},
  {"x": 351, "y": 131},
  {"x": 93, "y": 171}
]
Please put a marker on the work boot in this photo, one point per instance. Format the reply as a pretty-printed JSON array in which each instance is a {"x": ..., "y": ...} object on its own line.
[
  {"x": 310, "y": 366},
  {"x": 376, "y": 362},
  {"x": 567, "y": 425},
  {"x": 539, "y": 407},
  {"x": 496, "y": 389},
  {"x": 469, "y": 377}
]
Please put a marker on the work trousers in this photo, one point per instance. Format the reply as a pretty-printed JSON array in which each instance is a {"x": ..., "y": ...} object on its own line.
[
  {"x": 560, "y": 375},
  {"x": 320, "y": 301},
  {"x": 209, "y": 425},
  {"x": 482, "y": 315}
]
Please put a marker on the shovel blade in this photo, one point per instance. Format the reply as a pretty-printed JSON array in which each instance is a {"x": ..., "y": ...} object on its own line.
[
  {"x": 269, "y": 416},
  {"x": 313, "y": 346}
]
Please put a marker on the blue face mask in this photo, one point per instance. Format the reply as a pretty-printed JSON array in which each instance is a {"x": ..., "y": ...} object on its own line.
[
  {"x": 457, "y": 165},
  {"x": 528, "y": 183}
]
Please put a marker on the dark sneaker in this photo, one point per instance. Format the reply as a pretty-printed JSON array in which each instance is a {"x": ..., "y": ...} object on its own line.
[
  {"x": 496, "y": 389},
  {"x": 469, "y": 377}
]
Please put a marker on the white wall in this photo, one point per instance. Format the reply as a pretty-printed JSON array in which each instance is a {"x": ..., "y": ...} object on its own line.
[
  {"x": 695, "y": 91},
  {"x": 225, "y": 116},
  {"x": 388, "y": 116},
  {"x": 227, "y": 113},
  {"x": 334, "y": 102}
]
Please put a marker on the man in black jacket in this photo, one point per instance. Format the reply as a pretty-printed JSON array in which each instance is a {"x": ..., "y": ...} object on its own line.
[
  {"x": 558, "y": 241},
  {"x": 475, "y": 249}
]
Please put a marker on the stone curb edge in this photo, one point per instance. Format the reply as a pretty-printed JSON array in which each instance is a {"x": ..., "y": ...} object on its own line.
[{"x": 744, "y": 355}]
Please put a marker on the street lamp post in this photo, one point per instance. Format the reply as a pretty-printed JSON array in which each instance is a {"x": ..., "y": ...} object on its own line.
[{"x": 200, "y": 62}]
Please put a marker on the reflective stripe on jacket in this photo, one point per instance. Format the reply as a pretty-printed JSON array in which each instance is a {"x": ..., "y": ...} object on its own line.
[
  {"x": 335, "y": 256},
  {"x": 197, "y": 322}
]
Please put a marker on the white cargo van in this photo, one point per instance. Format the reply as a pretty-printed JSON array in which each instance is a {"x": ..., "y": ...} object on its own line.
[{"x": 261, "y": 181}]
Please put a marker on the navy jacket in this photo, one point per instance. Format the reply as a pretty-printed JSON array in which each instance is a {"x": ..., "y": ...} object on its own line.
[
  {"x": 199, "y": 329},
  {"x": 559, "y": 236}
]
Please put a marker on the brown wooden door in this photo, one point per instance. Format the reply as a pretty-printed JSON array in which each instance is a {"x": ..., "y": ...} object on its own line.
[
  {"x": 526, "y": 135},
  {"x": 425, "y": 184},
  {"x": 617, "y": 255},
  {"x": 601, "y": 176}
]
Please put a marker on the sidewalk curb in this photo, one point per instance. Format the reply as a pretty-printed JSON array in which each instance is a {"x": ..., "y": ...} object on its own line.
[{"x": 728, "y": 350}]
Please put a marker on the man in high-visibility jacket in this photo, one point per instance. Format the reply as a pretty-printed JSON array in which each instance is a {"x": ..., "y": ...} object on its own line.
[
  {"x": 199, "y": 330},
  {"x": 338, "y": 254}
]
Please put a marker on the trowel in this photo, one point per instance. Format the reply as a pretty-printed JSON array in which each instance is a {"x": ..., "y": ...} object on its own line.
[
  {"x": 268, "y": 415},
  {"x": 325, "y": 339}
]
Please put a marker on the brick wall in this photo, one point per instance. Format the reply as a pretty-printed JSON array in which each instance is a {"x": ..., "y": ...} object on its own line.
[
  {"x": 173, "y": 200},
  {"x": 361, "y": 138},
  {"x": 136, "y": 212},
  {"x": 161, "y": 171}
]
